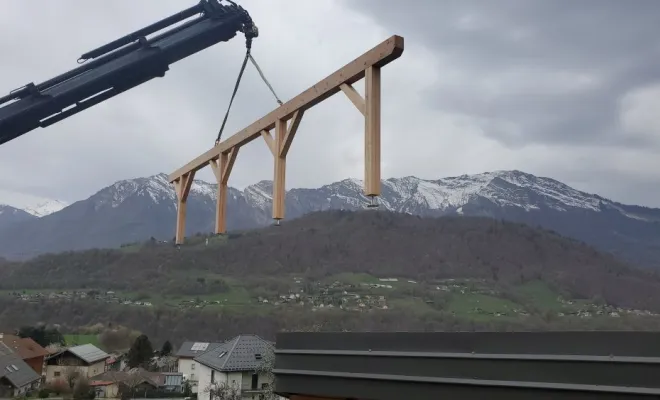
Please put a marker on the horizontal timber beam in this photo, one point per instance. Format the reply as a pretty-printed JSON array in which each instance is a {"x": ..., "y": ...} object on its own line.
[{"x": 379, "y": 56}]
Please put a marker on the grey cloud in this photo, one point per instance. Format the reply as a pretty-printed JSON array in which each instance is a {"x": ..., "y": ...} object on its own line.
[
  {"x": 613, "y": 42},
  {"x": 164, "y": 123},
  {"x": 543, "y": 78}
]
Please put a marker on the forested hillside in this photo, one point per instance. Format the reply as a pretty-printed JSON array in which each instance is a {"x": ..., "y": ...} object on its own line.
[{"x": 406, "y": 272}]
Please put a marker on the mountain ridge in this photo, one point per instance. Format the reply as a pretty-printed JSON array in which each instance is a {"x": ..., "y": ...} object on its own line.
[
  {"x": 39, "y": 208},
  {"x": 136, "y": 209}
]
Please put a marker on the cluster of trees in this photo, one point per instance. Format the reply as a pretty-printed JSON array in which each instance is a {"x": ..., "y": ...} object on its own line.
[{"x": 42, "y": 334}]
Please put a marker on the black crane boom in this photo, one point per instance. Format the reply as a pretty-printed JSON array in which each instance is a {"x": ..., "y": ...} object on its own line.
[{"x": 122, "y": 65}]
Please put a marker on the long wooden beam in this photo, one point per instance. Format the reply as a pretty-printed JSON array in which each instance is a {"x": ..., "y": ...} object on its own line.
[{"x": 379, "y": 56}]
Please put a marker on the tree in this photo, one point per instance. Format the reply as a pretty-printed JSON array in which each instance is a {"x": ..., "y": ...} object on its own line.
[
  {"x": 266, "y": 369},
  {"x": 70, "y": 373},
  {"x": 140, "y": 353},
  {"x": 223, "y": 391},
  {"x": 42, "y": 335},
  {"x": 118, "y": 338},
  {"x": 166, "y": 350},
  {"x": 126, "y": 381},
  {"x": 83, "y": 390}
]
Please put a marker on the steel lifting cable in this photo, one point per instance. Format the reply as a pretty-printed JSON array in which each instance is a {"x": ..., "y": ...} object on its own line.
[
  {"x": 238, "y": 81},
  {"x": 263, "y": 77}
]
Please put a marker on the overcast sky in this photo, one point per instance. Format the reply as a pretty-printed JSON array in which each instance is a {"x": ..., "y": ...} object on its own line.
[{"x": 569, "y": 90}]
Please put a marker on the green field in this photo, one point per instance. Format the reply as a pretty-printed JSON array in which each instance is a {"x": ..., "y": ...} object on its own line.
[
  {"x": 481, "y": 306},
  {"x": 467, "y": 298},
  {"x": 76, "y": 340}
]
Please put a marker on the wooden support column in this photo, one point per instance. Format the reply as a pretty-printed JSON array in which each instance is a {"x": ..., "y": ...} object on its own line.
[
  {"x": 280, "y": 146},
  {"x": 372, "y": 132},
  {"x": 222, "y": 169},
  {"x": 182, "y": 188},
  {"x": 279, "y": 179}
]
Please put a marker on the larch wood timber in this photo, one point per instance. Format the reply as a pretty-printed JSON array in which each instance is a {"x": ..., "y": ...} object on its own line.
[
  {"x": 222, "y": 169},
  {"x": 279, "y": 179},
  {"x": 270, "y": 142},
  {"x": 379, "y": 56},
  {"x": 290, "y": 133},
  {"x": 222, "y": 156},
  {"x": 372, "y": 132},
  {"x": 182, "y": 188},
  {"x": 354, "y": 97}
]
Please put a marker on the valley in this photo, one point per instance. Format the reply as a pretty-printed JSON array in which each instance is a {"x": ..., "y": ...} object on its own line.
[
  {"x": 469, "y": 299},
  {"x": 340, "y": 270}
]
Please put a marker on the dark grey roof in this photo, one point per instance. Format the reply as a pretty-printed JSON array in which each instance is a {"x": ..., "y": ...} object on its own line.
[
  {"x": 16, "y": 370},
  {"x": 4, "y": 349},
  {"x": 242, "y": 353},
  {"x": 186, "y": 349},
  {"x": 468, "y": 365},
  {"x": 89, "y": 353}
]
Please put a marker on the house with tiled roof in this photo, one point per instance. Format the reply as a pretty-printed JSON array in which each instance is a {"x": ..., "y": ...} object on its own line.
[
  {"x": 186, "y": 363},
  {"x": 86, "y": 358},
  {"x": 235, "y": 363},
  {"x": 111, "y": 384},
  {"x": 27, "y": 349},
  {"x": 16, "y": 377}
]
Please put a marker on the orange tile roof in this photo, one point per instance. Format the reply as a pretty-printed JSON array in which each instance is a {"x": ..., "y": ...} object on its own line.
[{"x": 25, "y": 348}]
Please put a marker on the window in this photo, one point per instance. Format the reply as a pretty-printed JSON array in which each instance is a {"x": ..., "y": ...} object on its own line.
[
  {"x": 192, "y": 366},
  {"x": 192, "y": 377},
  {"x": 255, "y": 381},
  {"x": 57, "y": 373}
]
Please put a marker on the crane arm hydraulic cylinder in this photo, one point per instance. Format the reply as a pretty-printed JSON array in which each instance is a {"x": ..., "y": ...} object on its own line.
[{"x": 122, "y": 65}]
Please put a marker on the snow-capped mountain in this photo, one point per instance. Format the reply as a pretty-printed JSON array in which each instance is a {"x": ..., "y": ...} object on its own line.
[
  {"x": 44, "y": 207},
  {"x": 137, "y": 209},
  {"x": 32, "y": 208}
]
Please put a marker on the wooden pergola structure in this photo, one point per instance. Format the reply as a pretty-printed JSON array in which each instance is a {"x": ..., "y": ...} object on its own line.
[{"x": 285, "y": 121}]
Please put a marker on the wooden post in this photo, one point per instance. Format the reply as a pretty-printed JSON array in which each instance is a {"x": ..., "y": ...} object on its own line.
[
  {"x": 222, "y": 169},
  {"x": 182, "y": 188},
  {"x": 279, "y": 179},
  {"x": 372, "y": 132},
  {"x": 280, "y": 148}
]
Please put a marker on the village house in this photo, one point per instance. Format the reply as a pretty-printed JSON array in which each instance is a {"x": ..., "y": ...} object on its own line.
[
  {"x": 87, "y": 359},
  {"x": 111, "y": 384},
  {"x": 27, "y": 349},
  {"x": 16, "y": 377},
  {"x": 186, "y": 363},
  {"x": 234, "y": 363},
  {"x": 116, "y": 362}
]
